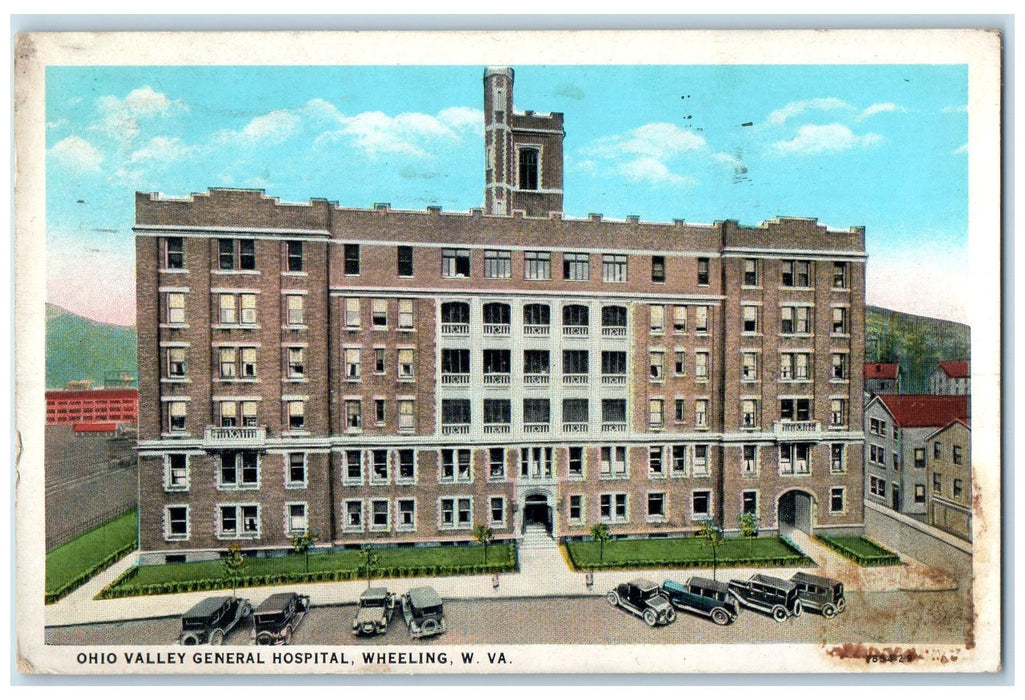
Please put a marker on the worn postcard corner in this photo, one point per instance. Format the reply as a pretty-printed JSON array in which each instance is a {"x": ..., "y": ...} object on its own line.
[{"x": 467, "y": 353}]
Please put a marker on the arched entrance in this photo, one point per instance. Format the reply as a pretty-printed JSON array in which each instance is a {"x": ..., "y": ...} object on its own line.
[
  {"x": 537, "y": 512},
  {"x": 795, "y": 511}
]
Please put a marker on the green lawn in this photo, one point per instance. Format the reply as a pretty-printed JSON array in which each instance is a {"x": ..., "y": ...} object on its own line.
[
  {"x": 685, "y": 552},
  {"x": 345, "y": 562},
  {"x": 861, "y": 549},
  {"x": 83, "y": 557}
]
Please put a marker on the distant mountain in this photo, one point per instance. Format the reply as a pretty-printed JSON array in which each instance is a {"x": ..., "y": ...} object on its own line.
[
  {"x": 916, "y": 342},
  {"x": 80, "y": 348}
]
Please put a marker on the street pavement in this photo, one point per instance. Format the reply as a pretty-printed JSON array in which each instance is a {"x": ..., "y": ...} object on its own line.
[{"x": 544, "y": 572}]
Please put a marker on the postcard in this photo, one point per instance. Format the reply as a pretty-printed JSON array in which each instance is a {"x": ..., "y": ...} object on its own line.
[{"x": 508, "y": 352}]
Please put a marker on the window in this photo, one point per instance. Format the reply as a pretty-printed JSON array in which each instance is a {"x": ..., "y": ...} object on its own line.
[
  {"x": 919, "y": 493},
  {"x": 613, "y": 320},
  {"x": 497, "y": 411},
  {"x": 455, "y": 412},
  {"x": 656, "y": 414},
  {"x": 613, "y": 362},
  {"x": 576, "y": 461},
  {"x": 176, "y": 411},
  {"x": 839, "y": 275},
  {"x": 794, "y": 366},
  {"x": 456, "y": 513},
  {"x": 351, "y": 252},
  {"x": 702, "y": 271},
  {"x": 496, "y": 362},
  {"x": 497, "y": 510},
  {"x": 352, "y": 364},
  {"x": 613, "y": 411},
  {"x": 679, "y": 412},
  {"x": 379, "y": 469},
  {"x": 352, "y": 314},
  {"x": 529, "y": 162},
  {"x": 497, "y": 264},
  {"x": 957, "y": 455},
  {"x": 455, "y": 465},
  {"x": 700, "y": 460},
  {"x": 701, "y": 365},
  {"x": 379, "y": 315},
  {"x": 239, "y": 470},
  {"x": 354, "y": 415},
  {"x": 177, "y": 366},
  {"x": 576, "y": 508},
  {"x": 937, "y": 450},
  {"x": 796, "y": 273},
  {"x": 536, "y": 362},
  {"x": 536, "y": 462},
  {"x": 749, "y": 319},
  {"x": 679, "y": 460},
  {"x": 176, "y": 472},
  {"x": 920, "y": 457},
  {"x": 296, "y": 364},
  {"x": 404, "y": 259},
  {"x": 837, "y": 463},
  {"x": 454, "y": 361},
  {"x": 656, "y": 365},
  {"x": 795, "y": 409},
  {"x": 496, "y": 463},
  {"x": 655, "y": 466},
  {"x": 749, "y": 366},
  {"x": 380, "y": 356},
  {"x": 407, "y": 465},
  {"x": 175, "y": 303},
  {"x": 877, "y": 486},
  {"x": 656, "y": 506},
  {"x": 353, "y": 466},
  {"x": 700, "y": 502},
  {"x": 575, "y": 411},
  {"x": 576, "y": 267},
  {"x": 455, "y": 262},
  {"x": 380, "y": 415},
  {"x": 537, "y": 316},
  {"x": 406, "y": 415},
  {"x": 793, "y": 458},
  {"x": 749, "y": 413},
  {"x": 937, "y": 483},
  {"x": 406, "y": 514},
  {"x": 613, "y": 461},
  {"x": 353, "y": 516},
  {"x": 840, "y": 370},
  {"x": 236, "y": 254},
  {"x": 294, "y": 307},
  {"x": 294, "y": 256},
  {"x": 227, "y": 414},
  {"x": 575, "y": 319},
  {"x": 839, "y": 320},
  {"x": 679, "y": 363},
  {"x": 405, "y": 314},
  {"x": 749, "y": 463},
  {"x": 658, "y": 268},
  {"x": 750, "y": 272},
  {"x": 657, "y": 317},
  {"x": 877, "y": 455},
  {"x": 836, "y": 499},
  {"x": 225, "y": 254},
  {"x": 174, "y": 253},
  {"x": 537, "y": 265},
  {"x": 613, "y": 507},
  {"x": 296, "y": 415},
  {"x": 701, "y": 413},
  {"x": 749, "y": 502},
  {"x": 613, "y": 267},
  {"x": 536, "y": 411},
  {"x": 496, "y": 318},
  {"x": 700, "y": 319},
  {"x": 295, "y": 476},
  {"x": 176, "y": 523},
  {"x": 405, "y": 364},
  {"x": 297, "y": 522},
  {"x": 795, "y": 320},
  {"x": 838, "y": 412}
]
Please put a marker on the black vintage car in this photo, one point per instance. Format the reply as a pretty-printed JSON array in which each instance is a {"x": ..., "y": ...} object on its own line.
[
  {"x": 423, "y": 612},
  {"x": 768, "y": 594},
  {"x": 278, "y": 616},
  {"x": 209, "y": 621},
  {"x": 820, "y": 594},
  {"x": 644, "y": 599},
  {"x": 702, "y": 596}
]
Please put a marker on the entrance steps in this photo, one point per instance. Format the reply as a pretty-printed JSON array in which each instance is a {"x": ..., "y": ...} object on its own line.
[{"x": 536, "y": 537}]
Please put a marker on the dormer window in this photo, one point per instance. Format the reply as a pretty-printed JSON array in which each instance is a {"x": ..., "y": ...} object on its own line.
[{"x": 529, "y": 166}]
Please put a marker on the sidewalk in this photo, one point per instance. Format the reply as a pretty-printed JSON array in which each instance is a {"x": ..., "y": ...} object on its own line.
[{"x": 543, "y": 573}]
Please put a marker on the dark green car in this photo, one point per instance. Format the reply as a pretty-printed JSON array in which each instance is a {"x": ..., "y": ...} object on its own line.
[{"x": 702, "y": 596}]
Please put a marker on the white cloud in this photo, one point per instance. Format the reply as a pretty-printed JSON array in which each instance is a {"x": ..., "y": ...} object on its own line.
[
  {"x": 57, "y": 124},
  {"x": 163, "y": 149},
  {"x": 652, "y": 170},
  {"x": 816, "y": 139},
  {"x": 727, "y": 159},
  {"x": 963, "y": 148},
  {"x": 880, "y": 108},
  {"x": 271, "y": 128},
  {"x": 643, "y": 154},
  {"x": 778, "y": 117},
  {"x": 76, "y": 153},
  {"x": 408, "y": 133},
  {"x": 119, "y": 118},
  {"x": 955, "y": 109}
]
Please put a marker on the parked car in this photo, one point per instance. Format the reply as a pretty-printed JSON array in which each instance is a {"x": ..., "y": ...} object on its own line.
[
  {"x": 278, "y": 616},
  {"x": 644, "y": 599},
  {"x": 820, "y": 594},
  {"x": 768, "y": 594},
  {"x": 423, "y": 612},
  {"x": 702, "y": 596},
  {"x": 376, "y": 608},
  {"x": 210, "y": 620}
]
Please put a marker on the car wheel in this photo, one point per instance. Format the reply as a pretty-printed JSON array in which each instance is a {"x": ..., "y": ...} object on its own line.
[
  {"x": 798, "y": 609},
  {"x": 217, "y": 637},
  {"x": 841, "y": 604},
  {"x": 286, "y": 638},
  {"x": 189, "y": 639},
  {"x": 828, "y": 611},
  {"x": 613, "y": 599},
  {"x": 720, "y": 617},
  {"x": 779, "y": 613},
  {"x": 670, "y": 616},
  {"x": 247, "y": 610},
  {"x": 430, "y": 626},
  {"x": 650, "y": 618}
]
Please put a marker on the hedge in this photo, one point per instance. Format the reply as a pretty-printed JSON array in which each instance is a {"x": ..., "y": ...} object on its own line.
[
  {"x": 797, "y": 558},
  {"x": 884, "y": 558},
  {"x": 60, "y": 592},
  {"x": 123, "y": 588}
]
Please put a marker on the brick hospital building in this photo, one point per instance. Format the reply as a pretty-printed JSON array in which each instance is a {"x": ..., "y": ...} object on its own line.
[{"x": 397, "y": 377}]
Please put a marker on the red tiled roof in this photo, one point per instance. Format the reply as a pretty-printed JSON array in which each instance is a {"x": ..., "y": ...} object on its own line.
[
  {"x": 94, "y": 394},
  {"x": 955, "y": 369},
  {"x": 95, "y": 428},
  {"x": 925, "y": 410},
  {"x": 881, "y": 370}
]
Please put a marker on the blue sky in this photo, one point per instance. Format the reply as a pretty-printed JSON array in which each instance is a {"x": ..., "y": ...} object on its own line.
[{"x": 883, "y": 147}]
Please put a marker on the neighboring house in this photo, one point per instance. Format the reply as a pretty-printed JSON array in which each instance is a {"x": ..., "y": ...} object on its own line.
[
  {"x": 398, "y": 376},
  {"x": 950, "y": 479},
  {"x": 952, "y": 377},
  {"x": 882, "y": 378},
  {"x": 897, "y": 428},
  {"x": 64, "y": 407}
]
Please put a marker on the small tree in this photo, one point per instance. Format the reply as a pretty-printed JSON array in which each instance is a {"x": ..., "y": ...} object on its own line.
[
  {"x": 600, "y": 534},
  {"x": 234, "y": 564},
  {"x": 368, "y": 559},
  {"x": 483, "y": 534},
  {"x": 749, "y": 529},
  {"x": 302, "y": 545},
  {"x": 713, "y": 535}
]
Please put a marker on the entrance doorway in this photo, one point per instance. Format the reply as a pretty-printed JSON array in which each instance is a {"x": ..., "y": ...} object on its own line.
[
  {"x": 536, "y": 511},
  {"x": 795, "y": 512}
]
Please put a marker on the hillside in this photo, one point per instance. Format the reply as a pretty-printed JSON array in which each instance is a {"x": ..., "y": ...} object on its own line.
[
  {"x": 79, "y": 348},
  {"x": 916, "y": 342}
]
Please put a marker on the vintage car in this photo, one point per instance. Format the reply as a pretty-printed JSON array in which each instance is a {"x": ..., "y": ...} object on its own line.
[
  {"x": 423, "y": 612},
  {"x": 644, "y": 599},
  {"x": 278, "y": 616},
  {"x": 702, "y": 596},
  {"x": 376, "y": 608},
  {"x": 210, "y": 620},
  {"x": 768, "y": 594},
  {"x": 820, "y": 594}
]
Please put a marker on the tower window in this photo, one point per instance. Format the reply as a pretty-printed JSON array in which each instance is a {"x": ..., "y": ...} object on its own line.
[{"x": 529, "y": 161}]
